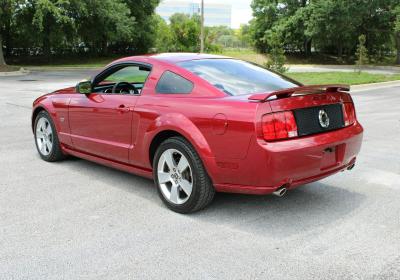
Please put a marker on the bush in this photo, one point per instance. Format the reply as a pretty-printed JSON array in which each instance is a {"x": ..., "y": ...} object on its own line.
[
  {"x": 361, "y": 53},
  {"x": 277, "y": 59}
]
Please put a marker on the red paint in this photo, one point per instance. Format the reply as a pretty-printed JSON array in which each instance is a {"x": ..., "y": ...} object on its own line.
[{"x": 226, "y": 131}]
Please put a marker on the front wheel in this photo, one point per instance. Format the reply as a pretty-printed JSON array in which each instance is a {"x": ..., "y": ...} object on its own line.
[
  {"x": 181, "y": 179},
  {"x": 46, "y": 138}
]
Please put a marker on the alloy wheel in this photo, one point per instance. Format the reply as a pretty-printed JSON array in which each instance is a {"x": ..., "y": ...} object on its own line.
[
  {"x": 44, "y": 136},
  {"x": 175, "y": 176}
]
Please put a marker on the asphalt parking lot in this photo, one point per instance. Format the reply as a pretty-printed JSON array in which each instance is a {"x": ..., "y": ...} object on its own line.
[{"x": 79, "y": 220}]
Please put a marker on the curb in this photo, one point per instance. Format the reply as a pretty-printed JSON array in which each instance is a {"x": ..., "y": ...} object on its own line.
[
  {"x": 347, "y": 67},
  {"x": 20, "y": 72},
  {"x": 55, "y": 68},
  {"x": 363, "y": 87}
]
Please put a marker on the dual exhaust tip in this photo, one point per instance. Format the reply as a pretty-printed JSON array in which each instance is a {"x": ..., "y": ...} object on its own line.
[
  {"x": 283, "y": 190},
  {"x": 351, "y": 166},
  {"x": 280, "y": 192}
]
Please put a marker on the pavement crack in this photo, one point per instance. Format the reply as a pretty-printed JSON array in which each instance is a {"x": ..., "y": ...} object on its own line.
[{"x": 18, "y": 105}]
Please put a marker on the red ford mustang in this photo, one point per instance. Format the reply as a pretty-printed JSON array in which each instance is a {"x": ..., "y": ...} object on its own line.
[{"x": 200, "y": 123}]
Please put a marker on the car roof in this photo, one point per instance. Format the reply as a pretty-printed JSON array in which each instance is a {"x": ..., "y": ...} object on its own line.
[
  {"x": 173, "y": 57},
  {"x": 179, "y": 57}
]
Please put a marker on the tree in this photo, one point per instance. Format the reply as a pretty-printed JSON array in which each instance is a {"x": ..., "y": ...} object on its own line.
[
  {"x": 58, "y": 27},
  {"x": 266, "y": 14},
  {"x": 52, "y": 19},
  {"x": 142, "y": 12},
  {"x": 113, "y": 20},
  {"x": 186, "y": 32},
  {"x": 330, "y": 26},
  {"x": 361, "y": 53},
  {"x": 7, "y": 9},
  {"x": 286, "y": 17},
  {"x": 245, "y": 35},
  {"x": 164, "y": 37},
  {"x": 396, "y": 11},
  {"x": 333, "y": 25},
  {"x": 276, "y": 61},
  {"x": 2, "y": 60}
]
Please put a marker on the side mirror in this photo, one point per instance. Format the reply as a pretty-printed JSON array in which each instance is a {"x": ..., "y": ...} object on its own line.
[{"x": 84, "y": 87}]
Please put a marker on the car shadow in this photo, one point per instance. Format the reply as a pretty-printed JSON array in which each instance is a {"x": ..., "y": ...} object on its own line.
[
  {"x": 125, "y": 181},
  {"x": 306, "y": 208}
]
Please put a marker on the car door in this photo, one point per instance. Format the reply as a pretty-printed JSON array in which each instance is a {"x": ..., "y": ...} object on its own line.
[{"x": 101, "y": 122}]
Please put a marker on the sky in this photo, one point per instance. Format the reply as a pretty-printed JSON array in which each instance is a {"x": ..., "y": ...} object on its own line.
[{"x": 241, "y": 11}]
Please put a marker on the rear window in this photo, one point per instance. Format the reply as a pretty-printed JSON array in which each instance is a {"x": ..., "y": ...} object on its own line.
[
  {"x": 236, "y": 77},
  {"x": 173, "y": 83}
]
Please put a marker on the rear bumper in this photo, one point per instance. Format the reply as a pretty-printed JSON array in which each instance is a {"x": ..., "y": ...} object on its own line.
[{"x": 270, "y": 165}]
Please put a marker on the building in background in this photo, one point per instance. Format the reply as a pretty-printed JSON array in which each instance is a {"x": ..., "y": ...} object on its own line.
[{"x": 214, "y": 14}]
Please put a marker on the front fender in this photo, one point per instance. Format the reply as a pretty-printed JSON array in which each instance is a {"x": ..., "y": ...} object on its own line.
[
  {"x": 57, "y": 108},
  {"x": 43, "y": 103}
]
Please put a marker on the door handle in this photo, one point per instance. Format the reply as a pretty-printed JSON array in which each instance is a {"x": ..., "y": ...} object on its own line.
[{"x": 124, "y": 109}]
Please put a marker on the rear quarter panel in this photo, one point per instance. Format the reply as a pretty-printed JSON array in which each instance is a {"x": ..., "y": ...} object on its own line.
[{"x": 219, "y": 127}]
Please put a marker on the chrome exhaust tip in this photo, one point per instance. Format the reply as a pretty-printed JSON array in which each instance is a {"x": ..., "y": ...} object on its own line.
[
  {"x": 280, "y": 192},
  {"x": 351, "y": 166}
]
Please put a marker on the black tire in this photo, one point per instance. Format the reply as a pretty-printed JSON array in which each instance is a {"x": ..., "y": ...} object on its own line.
[
  {"x": 202, "y": 190},
  {"x": 55, "y": 153}
]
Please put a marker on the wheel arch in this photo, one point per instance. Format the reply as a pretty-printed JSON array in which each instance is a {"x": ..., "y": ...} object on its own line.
[
  {"x": 36, "y": 112},
  {"x": 159, "y": 138}
]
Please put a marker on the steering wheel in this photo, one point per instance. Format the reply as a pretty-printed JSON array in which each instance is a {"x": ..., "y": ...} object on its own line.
[{"x": 123, "y": 86}]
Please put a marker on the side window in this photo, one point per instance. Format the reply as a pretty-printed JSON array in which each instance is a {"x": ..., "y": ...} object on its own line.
[
  {"x": 173, "y": 83},
  {"x": 130, "y": 74}
]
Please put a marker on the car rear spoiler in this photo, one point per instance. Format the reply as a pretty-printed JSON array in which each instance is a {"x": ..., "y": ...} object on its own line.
[{"x": 302, "y": 89}]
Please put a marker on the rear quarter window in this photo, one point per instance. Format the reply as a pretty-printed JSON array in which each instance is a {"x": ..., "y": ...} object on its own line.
[{"x": 172, "y": 83}]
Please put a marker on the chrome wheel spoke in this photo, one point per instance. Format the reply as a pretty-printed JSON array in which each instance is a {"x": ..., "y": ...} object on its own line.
[
  {"x": 186, "y": 186},
  {"x": 163, "y": 177},
  {"x": 169, "y": 159},
  {"x": 48, "y": 147},
  {"x": 39, "y": 134},
  {"x": 48, "y": 129},
  {"x": 174, "y": 194},
  {"x": 43, "y": 148},
  {"x": 183, "y": 164}
]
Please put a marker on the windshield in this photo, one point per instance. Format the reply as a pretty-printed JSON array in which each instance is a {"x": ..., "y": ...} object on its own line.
[{"x": 236, "y": 77}]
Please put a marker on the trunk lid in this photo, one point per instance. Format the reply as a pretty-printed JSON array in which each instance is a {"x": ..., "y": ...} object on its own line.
[{"x": 315, "y": 109}]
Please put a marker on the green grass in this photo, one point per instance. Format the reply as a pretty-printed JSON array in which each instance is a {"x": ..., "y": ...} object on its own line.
[
  {"x": 8, "y": 68},
  {"x": 245, "y": 54},
  {"x": 351, "y": 78},
  {"x": 252, "y": 56},
  {"x": 315, "y": 58}
]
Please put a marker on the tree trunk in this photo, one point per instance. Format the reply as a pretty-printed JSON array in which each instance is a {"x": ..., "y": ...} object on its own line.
[
  {"x": 7, "y": 38},
  {"x": 2, "y": 61},
  {"x": 340, "y": 50},
  {"x": 307, "y": 47},
  {"x": 398, "y": 47},
  {"x": 46, "y": 39}
]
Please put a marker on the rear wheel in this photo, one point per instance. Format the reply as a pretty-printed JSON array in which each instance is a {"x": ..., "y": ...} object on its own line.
[
  {"x": 181, "y": 179},
  {"x": 46, "y": 138}
]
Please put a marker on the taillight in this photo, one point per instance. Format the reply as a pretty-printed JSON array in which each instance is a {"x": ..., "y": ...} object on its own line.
[
  {"x": 349, "y": 114},
  {"x": 280, "y": 125}
]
